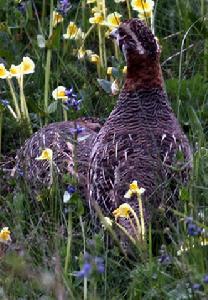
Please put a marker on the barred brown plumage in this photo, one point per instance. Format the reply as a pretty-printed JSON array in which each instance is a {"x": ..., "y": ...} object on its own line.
[
  {"x": 141, "y": 138},
  {"x": 60, "y": 138}
]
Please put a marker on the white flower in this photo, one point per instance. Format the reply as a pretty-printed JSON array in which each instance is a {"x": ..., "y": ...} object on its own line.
[
  {"x": 115, "y": 88},
  {"x": 27, "y": 65},
  {"x": 60, "y": 93}
]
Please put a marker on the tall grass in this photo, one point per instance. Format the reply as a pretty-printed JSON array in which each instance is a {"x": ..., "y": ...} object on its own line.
[{"x": 50, "y": 239}]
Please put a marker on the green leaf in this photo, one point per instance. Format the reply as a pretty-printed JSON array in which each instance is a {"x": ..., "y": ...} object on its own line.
[
  {"x": 52, "y": 107},
  {"x": 184, "y": 194},
  {"x": 105, "y": 84},
  {"x": 195, "y": 122},
  {"x": 54, "y": 39}
]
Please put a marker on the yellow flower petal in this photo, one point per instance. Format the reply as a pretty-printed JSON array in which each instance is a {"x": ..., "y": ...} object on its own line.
[
  {"x": 59, "y": 93},
  {"x": 5, "y": 234},
  {"x": 97, "y": 19},
  {"x": 134, "y": 189},
  {"x": 15, "y": 71},
  {"x": 128, "y": 194},
  {"x": 57, "y": 18},
  {"x": 142, "y": 5},
  {"x": 113, "y": 20},
  {"x": 46, "y": 154},
  {"x": 122, "y": 211},
  {"x": 27, "y": 65},
  {"x": 94, "y": 58},
  {"x": 81, "y": 53},
  {"x": 109, "y": 71},
  {"x": 3, "y": 72},
  {"x": 124, "y": 71},
  {"x": 71, "y": 31}
]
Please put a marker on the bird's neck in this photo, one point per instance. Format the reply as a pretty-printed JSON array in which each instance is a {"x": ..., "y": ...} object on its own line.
[{"x": 143, "y": 74}]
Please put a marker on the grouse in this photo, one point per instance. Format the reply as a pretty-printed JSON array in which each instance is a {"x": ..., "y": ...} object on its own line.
[
  {"x": 142, "y": 139},
  {"x": 70, "y": 142}
]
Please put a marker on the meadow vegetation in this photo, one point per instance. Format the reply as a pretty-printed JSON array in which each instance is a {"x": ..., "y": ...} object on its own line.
[{"x": 48, "y": 249}]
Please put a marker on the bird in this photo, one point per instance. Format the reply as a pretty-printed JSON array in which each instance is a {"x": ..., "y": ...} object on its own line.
[
  {"x": 70, "y": 142},
  {"x": 141, "y": 140}
]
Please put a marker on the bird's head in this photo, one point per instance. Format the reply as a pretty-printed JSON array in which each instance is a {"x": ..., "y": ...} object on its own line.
[{"x": 134, "y": 37}]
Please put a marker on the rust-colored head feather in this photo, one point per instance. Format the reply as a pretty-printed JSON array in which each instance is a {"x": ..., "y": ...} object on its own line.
[{"x": 142, "y": 52}]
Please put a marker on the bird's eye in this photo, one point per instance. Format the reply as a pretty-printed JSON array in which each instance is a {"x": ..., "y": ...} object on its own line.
[{"x": 121, "y": 33}]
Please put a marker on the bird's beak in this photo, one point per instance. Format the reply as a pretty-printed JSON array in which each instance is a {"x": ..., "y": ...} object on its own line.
[{"x": 114, "y": 33}]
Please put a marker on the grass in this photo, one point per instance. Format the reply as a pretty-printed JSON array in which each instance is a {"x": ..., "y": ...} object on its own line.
[{"x": 50, "y": 239}]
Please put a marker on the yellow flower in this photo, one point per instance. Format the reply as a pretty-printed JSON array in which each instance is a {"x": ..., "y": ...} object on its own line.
[
  {"x": 113, "y": 20},
  {"x": 71, "y": 31},
  {"x": 46, "y": 154},
  {"x": 124, "y": 71},
  {"x": 81, "y": 53},
  {"x": 59, "y": 93},
  {"x": 94, "y": 58},
  {"x": 122, "y": 211},
  {"x": 27, "y": 65},
  {"x": 134, "y": 189},
  {"x": 15, "y": 71},
  {"x": 142, "y": 5},
  {"x": 109, "y": 71},
  {"x": 5, "y": 234},
  {"x": 3, "y": 72},
  {"x": 91, "y": 1},
  {"x": 97, "y": 19},
  {"x": 57, "y": 18}
]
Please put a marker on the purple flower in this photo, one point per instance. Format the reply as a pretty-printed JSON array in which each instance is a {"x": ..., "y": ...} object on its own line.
[
  {"x": 63, "y": 7},
  {"x": 164, "y": 259},
  {"x": 77, "y": 130},
  {"x": 205, "y": 279},
  {"x": 100, "y": 268},
  {"x": 21, "y": 7},
  {"x": 69, "y": 93},
  {"x": 99, "y": 262},
  {"x": 4, "y": 102},
  {"x": 196, "y": 286},
  {"x": 72, "y": 100},
  {"x": 85, "y": 271},
  {"x": 193, "y": 229},
  {"x": 70, "y": 189}
]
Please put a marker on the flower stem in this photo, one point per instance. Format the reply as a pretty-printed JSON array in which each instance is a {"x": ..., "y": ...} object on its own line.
[
  {"x": 11, "y": 87},
  {"x": 137, "y": 221},
  {"x": 84, "y": 243},
  {"x": 1, "y": 124},
  {"x": 12, "y": 112},
  {"x": 68, "y": 247},
  {"x": 23, "y": 103},
  {"x": 128, "y": 8},
  {"x": 100, "y": 46},
  {"x": 65, "y": 115},
  {"x": 48, "y": 63},
  {"x": 141, "y": 216}
]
